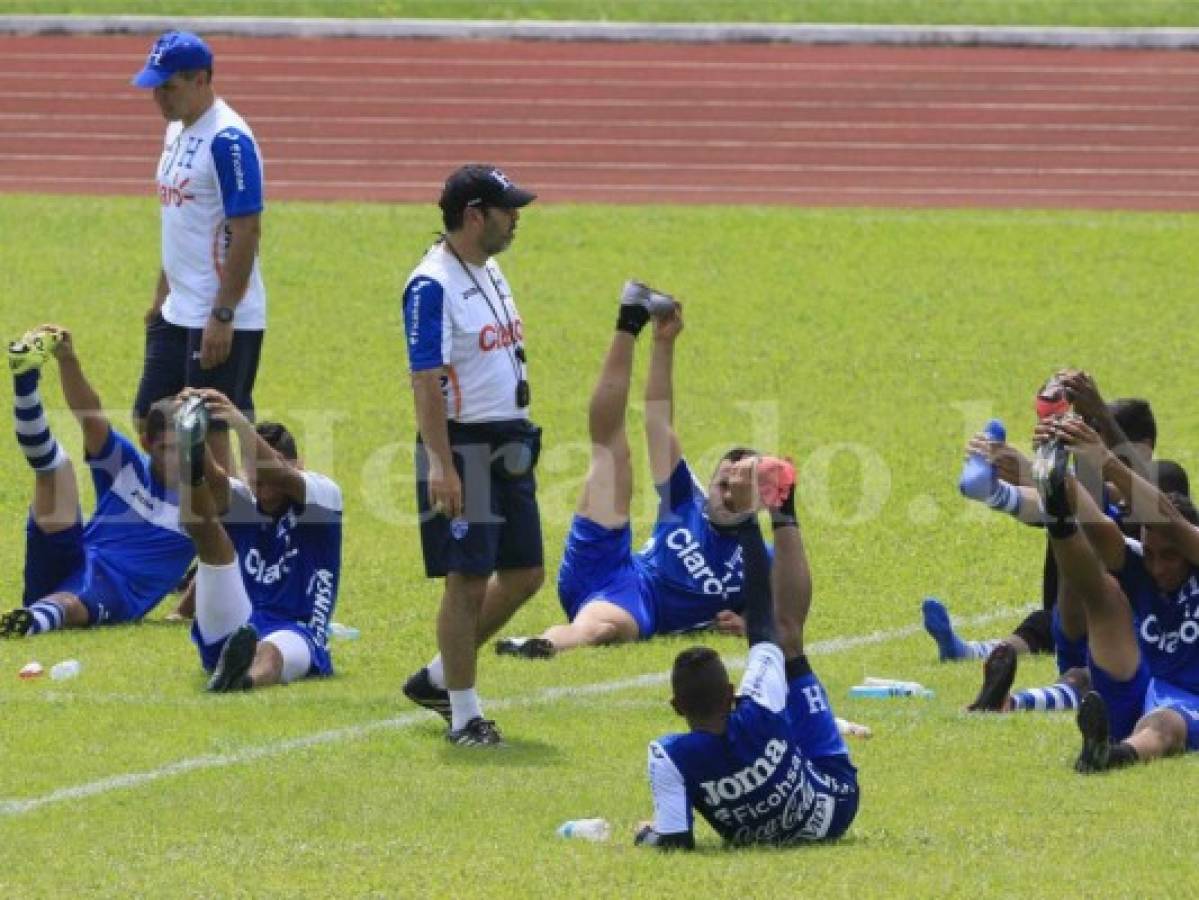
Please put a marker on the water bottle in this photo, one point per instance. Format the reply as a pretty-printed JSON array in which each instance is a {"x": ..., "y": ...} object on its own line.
[
  {"x": 978, "y": 473},
  {"x": 587, "y": 829},
  {"x": 343, "y": 632},
  {"x": 889, "y": 690},
  {"x": 65, "y": 670}
]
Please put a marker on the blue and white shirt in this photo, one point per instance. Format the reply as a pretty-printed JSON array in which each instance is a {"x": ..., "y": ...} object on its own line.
[
  {"x": 209, "y": 173},
  {"x": 1167, "y": 624},
  {"x": 134, "y": 535},
  {"x": 291, "y": 563},
  {"x": 475, "y": 336},
  {"x": 753, "y": 784},
  {"x": 692, "y": 571}
]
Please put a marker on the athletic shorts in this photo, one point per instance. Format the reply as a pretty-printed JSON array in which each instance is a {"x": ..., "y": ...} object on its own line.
[
  {"x": 597, "y": 564},
  {"x": 500, "y": 528},
  {"x": 172, "y": 362},
  {"x": 266, "y": 624},
  {"x": 1125, "y": 699},
  {"x": 58, "y": 563},
  {"x": 816, "y": 734},
  {"x": 1163, "y": 695},
  {"x": 1071, "y": 654}
]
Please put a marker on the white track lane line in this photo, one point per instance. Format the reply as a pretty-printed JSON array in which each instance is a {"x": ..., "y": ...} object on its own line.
[{"x": 101, "y": 786}]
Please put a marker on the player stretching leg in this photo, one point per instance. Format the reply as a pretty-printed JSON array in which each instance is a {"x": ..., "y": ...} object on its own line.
[
  {"x": 689, "y": 575},
  {"x": 131, "y": 552},
  {"x": 1145, "y": 671},
  {"x": 766, "y": 766},
  {"x": 269, "y": 550}
]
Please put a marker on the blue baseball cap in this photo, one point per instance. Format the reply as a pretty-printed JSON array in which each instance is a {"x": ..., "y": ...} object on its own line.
[{"x": 175, "y": 51}]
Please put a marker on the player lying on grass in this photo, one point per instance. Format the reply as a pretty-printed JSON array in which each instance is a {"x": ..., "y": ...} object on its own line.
[
  {"x": 269, "y": 549},
  {"x": 132, "y": 551},
  {"x": 764, "y": 764},
  {"x": 689, "y": 574}
]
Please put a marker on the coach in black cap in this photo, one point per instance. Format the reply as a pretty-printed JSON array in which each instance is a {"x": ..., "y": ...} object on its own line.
[{"x": 476, "y": 450}]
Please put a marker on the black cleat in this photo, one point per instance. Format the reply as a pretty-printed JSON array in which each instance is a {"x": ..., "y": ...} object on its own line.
[
  {"x": 15, "y": 624},
  {"x": 1049, "y": 467},
  {"x": 191, "y": 428},
  {"x": 526, "y": 647},
  {"x": 421, "y": 691},
  {"x": 478, "y": 732},
  {"x": 1096, "y": 752},
  {"x": 999, "y": 671},
  {"x": 232, "y": 672}
]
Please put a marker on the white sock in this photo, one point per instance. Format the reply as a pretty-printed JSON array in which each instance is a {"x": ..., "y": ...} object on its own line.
[
  {"x": 436, "y": 672},
  {"x": 464, "y": 706}
]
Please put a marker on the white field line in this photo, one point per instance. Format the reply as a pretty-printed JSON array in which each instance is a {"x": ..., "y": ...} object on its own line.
[
  {"x": 15, "y": 807},
  {"x": 637, "y": 64},
  {"x": 669, "y": 143},
  {"x": 607, "y": 125}
]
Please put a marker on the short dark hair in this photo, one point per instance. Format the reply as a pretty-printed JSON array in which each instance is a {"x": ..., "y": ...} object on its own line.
[
  {"x": 1183, "y": 504},
  {"x": 279, "y": 438},
  {"x": 1170, "y": 477},
  {"x": 1135, "y": 418},
  {"x": 700, "y": 683},
  {"x": 738, "y": 453},
  {"x": 159, "y": 419}
]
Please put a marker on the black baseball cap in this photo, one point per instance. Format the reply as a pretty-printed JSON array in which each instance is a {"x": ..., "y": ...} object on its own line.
[{"x": 482, "y": 185}]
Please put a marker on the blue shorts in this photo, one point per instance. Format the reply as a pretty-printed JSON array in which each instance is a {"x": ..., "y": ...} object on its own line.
[
  {"x": 817, "y": 736},
  {"x": 172, "y": 362},
  {"x": 265, "y": 624},
  {"x": 59, "y": 563},
  {"x": 1125, "y": 699},
  {"x": 1163, "y": 695},
  {"x": 597, "y": 564},
  {"x": 1071, "y": 654},
  {"x": 500, "y": 528}
]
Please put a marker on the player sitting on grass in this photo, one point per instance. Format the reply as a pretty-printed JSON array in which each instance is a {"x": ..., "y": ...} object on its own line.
[
  {"x": 132, "y": 551},
  {"x": 270, "y": 551},
  {"x": 689, "y": 574},
  {"x": 1143, "y": 624},
  {"x": 765, "y": 765}
]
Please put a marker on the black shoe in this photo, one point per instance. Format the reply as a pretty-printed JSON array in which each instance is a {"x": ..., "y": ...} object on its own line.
[
  {"x": 17, "y": 623},
  {"x": 526, "y": 647},
  {"x": 1096, "y": 750},
  {"x": 232, "y": 672},
  {"x": 421, "y": 691},
  {"x": 191, "y": 428},
  {"x": 1049, "y": 468},
  {"x": 478, "y": 732},
  {"x": 999, "y": 671}
]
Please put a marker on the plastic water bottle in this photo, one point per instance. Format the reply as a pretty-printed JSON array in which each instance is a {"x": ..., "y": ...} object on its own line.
[
  {"x": 889, "y": 690},
  {"x": 975, "y": 482},
  {"x": 587, "y": 829},
  {"x": 343, "y": 632},
  {"x": 65, "y": 670}
]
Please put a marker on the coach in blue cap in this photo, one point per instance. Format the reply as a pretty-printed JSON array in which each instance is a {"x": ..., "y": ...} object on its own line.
[{"x": 206, "y": 323}]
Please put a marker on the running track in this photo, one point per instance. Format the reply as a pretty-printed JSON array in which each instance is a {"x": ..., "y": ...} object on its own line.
[{"x": 862, "y": 126}]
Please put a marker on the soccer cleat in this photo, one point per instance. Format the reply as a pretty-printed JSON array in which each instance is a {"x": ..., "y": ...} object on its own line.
[
  {"x": 16, "y": 623},
  {"x": 526, "y": 647},
  {"x": 32, "y": 350},
  {"x": 421, "y": 691},
  {"x": 654, "y": 302},
  {"x": 191, "y": 428},
  {"x": 1095, "y": 755},
  {"x": 940, "y": 629},
  {"x": 1049, "y": 467},
  {"x": 232, "y": 672},
  {"x": 478, "y": 732},
  {"x": 999, "y": 671}
]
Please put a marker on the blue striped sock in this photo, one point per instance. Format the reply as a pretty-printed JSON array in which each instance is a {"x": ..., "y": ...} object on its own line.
[
  {"x": 47, "y": 616},
  {"x": 41, "y": 450},
  {"x": 1054, "y": 698},
  {"x": 980, "y": 649}
]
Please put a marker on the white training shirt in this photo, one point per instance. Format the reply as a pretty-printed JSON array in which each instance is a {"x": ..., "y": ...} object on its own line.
[
  {"x": 209, "y": 173},
  {"x": 447, "y": 322}
]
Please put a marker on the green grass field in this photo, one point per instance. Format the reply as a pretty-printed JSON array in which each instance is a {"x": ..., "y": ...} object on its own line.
[
  {"x": 865, "y": 343},
  {"x": 1159, "y": 13}
]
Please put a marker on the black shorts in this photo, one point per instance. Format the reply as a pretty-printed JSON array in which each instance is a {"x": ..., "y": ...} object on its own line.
[
  {"x": 500, "y": 527},
  {"x": 172, "y": 362}
]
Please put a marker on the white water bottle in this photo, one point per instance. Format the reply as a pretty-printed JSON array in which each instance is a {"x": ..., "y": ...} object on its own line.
[
  {"x": 65, "y": 670},
  {"x": 587, "y": 829}
]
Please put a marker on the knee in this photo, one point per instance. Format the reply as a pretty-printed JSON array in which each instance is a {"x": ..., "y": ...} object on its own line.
[
  {"x": 789, "y": 630},
  {"x": 531, "y": 582},
  {"x": 465, "y": 590},
  {"x": 1168, "y": 727}
]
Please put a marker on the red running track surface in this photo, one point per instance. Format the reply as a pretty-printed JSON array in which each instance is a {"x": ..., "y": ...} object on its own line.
[{"x": 663, "y": 123}]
